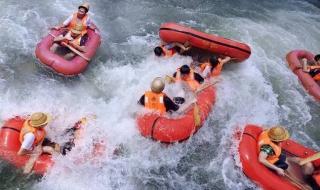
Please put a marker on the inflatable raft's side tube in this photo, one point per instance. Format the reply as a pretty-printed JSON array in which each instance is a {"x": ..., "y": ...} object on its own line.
[
  {"x": 172, "y": 32},
  {"x": 58, "y": 63},
  {"x": 294, "y": 61},
  {"x": 10, "y": 145},
  {"x": 264, "y": 177},
  {"x": 169, "y": 130}
]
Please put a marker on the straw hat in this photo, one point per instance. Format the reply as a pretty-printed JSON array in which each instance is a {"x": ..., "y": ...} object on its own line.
[
  {"x": 278, "y": 133},
  {"x": 85, "y": 6},
  {"x": 39, "y": 119},
  {"x": 77, "y": 29}
]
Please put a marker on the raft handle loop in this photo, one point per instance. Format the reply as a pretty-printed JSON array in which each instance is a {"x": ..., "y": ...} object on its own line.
[{"x": 153, "y": 126}]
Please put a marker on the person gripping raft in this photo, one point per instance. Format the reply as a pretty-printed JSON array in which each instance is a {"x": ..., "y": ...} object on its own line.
[
  {"x": 185, "y": 74},
  {"x": 213, "y": 66},
  {"x": 313, "y": 67},
  {"x": 270, "y": 153},
  {"x": 72, "y": 38},
  {"x": 170, "y": 49}
]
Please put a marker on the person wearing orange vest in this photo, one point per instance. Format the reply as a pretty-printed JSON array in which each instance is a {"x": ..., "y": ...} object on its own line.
[
  {"x": 73, "y": 38},
  {"x": 79, "y": 17},
  {"x": 271, "y": 155},
  {"x": 157, "y": 100},
  {"x": 315, "y": 73},
  {"x": 193, "y": 79},
  {"x": 170, "y": 49},
  {"x": 33, "y": 139},
  {"x": 213, "y": 66},
  {"x": 270, "y": 150}
]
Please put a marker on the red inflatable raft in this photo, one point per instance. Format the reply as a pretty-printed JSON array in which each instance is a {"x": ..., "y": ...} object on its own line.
[
  {"x": 169, "y": 130},
  {"x": 294, "y": 61},
  {"x": 172, "y": 32},
  {"x": 10, "y": 145},
  {"x": 259, "y": 173},
  {"x": 57, "y": 63}
]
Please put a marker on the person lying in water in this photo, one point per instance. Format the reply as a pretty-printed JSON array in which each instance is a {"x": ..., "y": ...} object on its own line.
[
  {"x": 157, "y": 100},
  {"x": 79, "y": 17},
  {"x": 170, "y": 49},
  {"x": 271, "y": 154},
  {"x": 313, "y": 67},
  {"x": 72, "y": 38}
]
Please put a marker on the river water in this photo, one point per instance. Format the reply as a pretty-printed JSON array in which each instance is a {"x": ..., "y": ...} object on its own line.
[{"x": 260, "y": 90}]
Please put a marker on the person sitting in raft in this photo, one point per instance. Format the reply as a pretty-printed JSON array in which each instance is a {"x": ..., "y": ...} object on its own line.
[
  {"x": 213, "y": 66},
  {"x": 184, "y": 73},
  {"x": 79, "y": 17},
  {"x": 271, "y": 155},
  {"x": 72, "y": 38},
  {"x": 157, "y": 100},
  {"x": 270, "y": 152},
  {"x": 33, "y": 139},
  {"x": 170, "y": 49},
  {"x": 269, "y": 149},
  {"x": 307, "y": 67}
]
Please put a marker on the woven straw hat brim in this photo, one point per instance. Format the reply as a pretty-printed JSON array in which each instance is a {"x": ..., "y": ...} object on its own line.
[
  {"x": 287, "y": 136},
  {"x": 49, "y": 118}
]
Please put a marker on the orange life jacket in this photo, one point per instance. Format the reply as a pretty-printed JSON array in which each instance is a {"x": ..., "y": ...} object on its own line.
[
  {"x": 215, "y": 72},
  {"x": 204, "y": 65},
  {"x": 168, "y": 52},
  {"x": 265, "y": 140},
  {"x": 75, "y": 21},
  {"x": 192, "y": 83},
  {"x": 317, "y": 77},
  {"x": 154, "y": 101},
  {"x": 39, "y": 133}
]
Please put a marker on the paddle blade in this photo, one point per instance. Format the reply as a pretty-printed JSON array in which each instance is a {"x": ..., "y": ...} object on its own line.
[{"x": 314, "y": 157}]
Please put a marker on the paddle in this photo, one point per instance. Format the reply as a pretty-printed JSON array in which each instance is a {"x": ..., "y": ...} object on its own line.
[
  {"x": 72, "y": 49},
  {"x": 170, "y": 79},
  {"x": 297, "y": 183},
  {"x": 196, "y": 109},
  {"x": 314, "y": 157},
  {"x": 196, "y": 115},
  {"x": 205, "y": 86},
  {"x": 32, "y": 160},
  {"x": 55, "y": 28}
]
